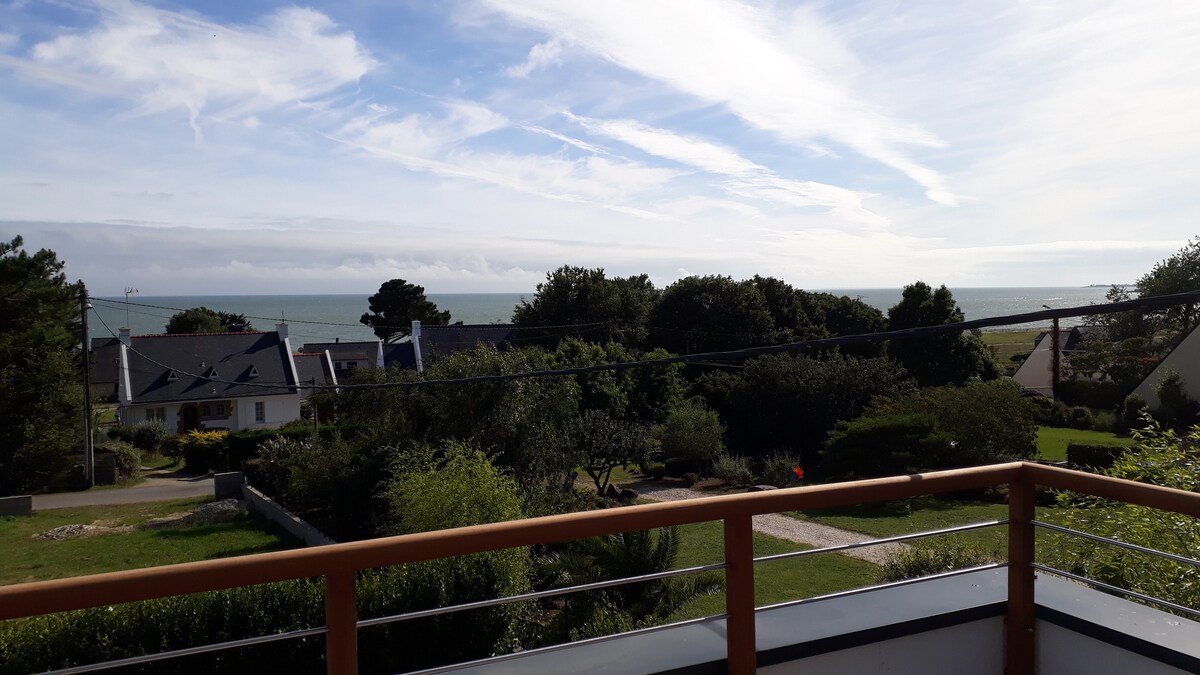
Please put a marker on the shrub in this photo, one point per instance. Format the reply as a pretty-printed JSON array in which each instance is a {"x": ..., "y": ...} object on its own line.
[
  {"x": 1106, "y": 420},
  {"x": 675, "y": 467},
  {"x": 733, "y": 469},
  {"x": 1093, "y": 456},
  {"x": 1105, "y": 395},
  {"x": 887, "y": 445},
  {"x": 690, "y": 479},
  {"x": 203, "y": 451},
  {"x": 1060, "y": 415},
  {"x": 1176, "y": 407},
  {"x": 129, "y": 459},
  {"x": 691, "y": 432},
  {"x": 1043, "y": 409},
  {"x": 1133, "y": 412},
  {"x": 926, "y": 558},
  {"x": 656, "y": 470},
  {"x": 150, "y": 435},
  {"x": 121, "y": 432},
  {"x": 1081, "y": 418},
  {"x": 779, "y": 468}
]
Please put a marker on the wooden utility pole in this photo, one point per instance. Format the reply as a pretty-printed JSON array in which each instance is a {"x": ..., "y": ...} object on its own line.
[
  {"x": 89, "y": 453},
  {"x": 1055, "y": 360}
]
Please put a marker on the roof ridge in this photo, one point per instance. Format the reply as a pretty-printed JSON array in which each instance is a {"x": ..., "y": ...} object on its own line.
[{"x": 241, "y": 332}]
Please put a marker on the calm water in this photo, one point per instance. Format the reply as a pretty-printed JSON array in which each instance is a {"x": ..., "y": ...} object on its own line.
[{"x": 318, "y": 318}]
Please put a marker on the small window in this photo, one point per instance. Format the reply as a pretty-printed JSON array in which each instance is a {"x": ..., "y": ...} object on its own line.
[
  {"x": 171, "y": 376},
  {"x": 211, "y": 374},
  {"x": 220, "y": 410},
  {"x": 156, "y": 414},
  {"x": 206, "y": 410},
  {"x": 260, "y": 412},
  {"x": 253, "y": 372}
]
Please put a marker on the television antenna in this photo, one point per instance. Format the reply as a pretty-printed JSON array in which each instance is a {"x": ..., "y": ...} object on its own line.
[{"x": 129, "y": 290}]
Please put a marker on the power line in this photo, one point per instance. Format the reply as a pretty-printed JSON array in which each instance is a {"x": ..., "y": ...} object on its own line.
[{"x": 739, "y": 354}]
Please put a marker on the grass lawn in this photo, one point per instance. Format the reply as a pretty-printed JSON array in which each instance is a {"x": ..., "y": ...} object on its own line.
[
  {"x": 921, "y": 514},
  {"x": 1052, "y": 441},
  {"x": 1009, "y": 343},
  {"x": 29, "y": 559},
  {"x": 703, "y": 543}
]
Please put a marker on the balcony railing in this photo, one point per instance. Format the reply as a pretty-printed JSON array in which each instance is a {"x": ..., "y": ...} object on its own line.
[{"x": 339, "y": 564}]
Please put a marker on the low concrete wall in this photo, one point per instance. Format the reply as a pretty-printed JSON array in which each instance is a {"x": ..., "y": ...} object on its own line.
[
  {"x": 228, "y": 485},
  {"x": 20, "y": 505},
  {"x": 267, "y": 508}
]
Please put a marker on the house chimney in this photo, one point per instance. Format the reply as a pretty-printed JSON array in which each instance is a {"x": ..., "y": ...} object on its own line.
[
  {"x": 123, "y": 336},
  {"x": 281, "y": 328},
  {"x": 416, "y": 341}
]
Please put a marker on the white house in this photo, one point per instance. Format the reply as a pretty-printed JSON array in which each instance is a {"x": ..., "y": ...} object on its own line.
[
  {"x": 1034, "y": 373},
  {"x": 208, "y": 380}
]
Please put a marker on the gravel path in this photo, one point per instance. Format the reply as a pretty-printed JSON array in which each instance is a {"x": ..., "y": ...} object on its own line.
[{"x": 787, "y": 528}]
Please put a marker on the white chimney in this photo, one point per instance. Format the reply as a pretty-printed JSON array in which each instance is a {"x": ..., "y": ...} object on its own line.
[
  {"x": 281, "y": 328},
  {"x": 416, "y": 342},
  {"x": 123, "y": 336}
]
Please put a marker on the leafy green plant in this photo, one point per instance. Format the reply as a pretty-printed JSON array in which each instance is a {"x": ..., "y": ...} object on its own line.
[
  {"x": 779, "y": 469},
  {"x": 203, "y": 450},
  {"x": 150, "y": 435},
  {"x": 129, "y": 458},
  {"x": 733, "y": 469},
  {"x": 932, "y": 557},
  {"x": 691, "y": 432}
]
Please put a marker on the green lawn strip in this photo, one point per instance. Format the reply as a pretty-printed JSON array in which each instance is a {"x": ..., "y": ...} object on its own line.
[
  {"x": 1009, "y": 343},
  {"x": 1052, "y": 441},
  {"x": 158, "y": 462},
  {"x": 780, "y": 581},
  {"x": 29, "y": 559},
  {"x": 922, "y": 514}
]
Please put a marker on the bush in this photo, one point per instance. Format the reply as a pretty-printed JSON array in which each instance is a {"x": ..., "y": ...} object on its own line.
[
  {"x": 1093, "y": 456},
  {"x": 1060, "y": 415},
  {"x": 1176, "y": 407},
  {"x": 779, "y": 469},
  {"x": 1133, "y": 411},
  {"x": 690, "y": 479},
  {"x": 1105, "y": 395},
  {"x": 675, "y": 467},
  {"x": 121, "y": 432},
  {"x": 203, "y": 451},
  {"x": 1081, "y": 418},
  {"x": 926, "y": 558},
  {"x": 1043, "y": 409},
  {"x": 888, "y": 445},
  {"x": 150, "y": 435},
  {"x": 129, "y": 459},
  {"x": 733, "y": 469},
  {"x": 656, "y": 470},
  {"x": 1107, "y": 420},
  {"x": 691, "y": 432}
]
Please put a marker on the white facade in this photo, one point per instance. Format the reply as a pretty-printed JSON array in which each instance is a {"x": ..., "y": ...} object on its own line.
[
  {"x": 240, "y": 414},
  {"x": 1185, "y": 360}
]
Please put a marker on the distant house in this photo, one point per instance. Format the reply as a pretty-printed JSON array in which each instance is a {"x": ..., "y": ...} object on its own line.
[
  {"x": 234, "y": 381},
  {"x": 1034, "y": 374},
  {"x": 106, "y": 366},
  {"x": 1183, "y": 359},
  {"x": 314, "y": 368},
  {"x": 413, "y": 352}
]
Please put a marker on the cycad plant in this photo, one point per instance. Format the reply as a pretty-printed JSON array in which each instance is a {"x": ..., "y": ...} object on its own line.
[{"x": 616, "y": 556}]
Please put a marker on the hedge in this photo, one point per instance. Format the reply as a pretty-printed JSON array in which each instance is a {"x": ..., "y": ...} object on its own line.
[
  {"x": 1090, "y": 394},
  {"x": 1093, "y": 456},
  {"x": 203, "y": 451}
]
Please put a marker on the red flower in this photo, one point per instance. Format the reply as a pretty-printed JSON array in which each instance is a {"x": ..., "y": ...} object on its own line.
[{"x": 799, "y": 473}]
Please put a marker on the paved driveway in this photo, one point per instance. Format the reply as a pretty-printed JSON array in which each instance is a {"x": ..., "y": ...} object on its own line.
[{"x": 158, "y": 486}]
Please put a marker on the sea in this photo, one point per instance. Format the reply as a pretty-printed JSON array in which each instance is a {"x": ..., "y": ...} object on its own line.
[{"x": 328, "y": 318}]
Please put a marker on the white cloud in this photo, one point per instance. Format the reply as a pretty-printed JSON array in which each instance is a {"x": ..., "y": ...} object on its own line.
[
  {"x": 743, "y": 58},
  {"x": 540, "y": 56},
  {"x": 8, "y": 40},
  {"x": 746, "y": 178},
  {"x": 178, "y": 61}
]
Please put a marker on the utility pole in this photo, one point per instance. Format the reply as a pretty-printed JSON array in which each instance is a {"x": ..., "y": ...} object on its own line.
[
  {"x": 1055, "y": 358},
  {"x": 89, "y": 452}
]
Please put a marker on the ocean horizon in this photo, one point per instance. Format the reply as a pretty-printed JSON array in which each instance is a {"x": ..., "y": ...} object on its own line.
[{"x": 328, "y": 318}]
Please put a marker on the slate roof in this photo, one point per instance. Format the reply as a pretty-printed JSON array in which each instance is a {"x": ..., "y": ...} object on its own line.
[
  {"x": 399, "y": 354},
  {"x": 227, "y": 356},
  {"x": 367, "y": 350},
  {"x": 312, "y": 368},
  {"x": 443, "y": 340},
  {"x": 105, "y": 351}
]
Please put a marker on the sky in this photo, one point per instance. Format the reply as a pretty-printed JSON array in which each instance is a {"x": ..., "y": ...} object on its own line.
[{"x": 474, "y": 145}]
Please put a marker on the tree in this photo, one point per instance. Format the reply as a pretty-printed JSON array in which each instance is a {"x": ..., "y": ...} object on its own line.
[
  {"x": 952, "y": 358},
  {"x": 1176, "y": 408},
  {"x": 710, "y": 313},
  {"x": 1177, "y": 274},
  {"x": 41, "y": 396},
  {"x": 205, "y": 320},
  {"x": 692, "y": 433},
  {"x": 603, "y": 444},
  {"x": 616, "y": 308},
  {"x": 394, "y": 308}
]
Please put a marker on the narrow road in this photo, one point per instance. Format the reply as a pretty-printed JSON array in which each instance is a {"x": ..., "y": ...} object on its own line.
[
  {"x": 159, "y": 486},
  {"x": 787, "y": 528}
]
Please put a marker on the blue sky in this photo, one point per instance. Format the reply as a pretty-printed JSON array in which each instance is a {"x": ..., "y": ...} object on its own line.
[{"x": 472, "y": 146}]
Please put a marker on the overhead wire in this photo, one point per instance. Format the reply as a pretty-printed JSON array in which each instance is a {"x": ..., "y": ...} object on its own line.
[{"x": 739, "y": 354}]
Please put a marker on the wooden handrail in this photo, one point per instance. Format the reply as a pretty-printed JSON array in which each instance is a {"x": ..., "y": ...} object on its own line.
[{"x": 339, "y": 563}]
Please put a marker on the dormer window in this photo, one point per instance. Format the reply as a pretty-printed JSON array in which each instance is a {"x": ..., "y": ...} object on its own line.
[
  {"x": 211, "y": 373},
  {"x": 253, "y": 373},
  {"x": 171, "y": 376}
]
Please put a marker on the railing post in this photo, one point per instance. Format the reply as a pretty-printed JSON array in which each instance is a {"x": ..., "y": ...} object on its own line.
[
  {"x": 341, "y": 620},
  {"x": 1020, "y": 655},
  {"x": 742, "y": 652}
]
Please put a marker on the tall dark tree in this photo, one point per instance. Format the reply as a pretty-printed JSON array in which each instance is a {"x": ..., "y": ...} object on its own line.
[
  {"x": 952, "y": 358},
  {"x": 710, "y": 313},
  {"x": 396, "y": 305},
  {"x": 205, "y": 320},
  {"x": 41, "y": 394},
  {"x": 604, "y": 308},
  {"x": 1177, "y": 274}
]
